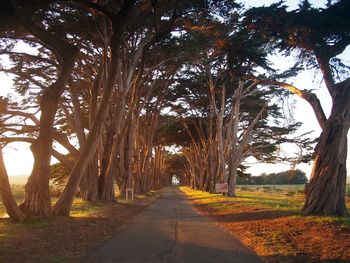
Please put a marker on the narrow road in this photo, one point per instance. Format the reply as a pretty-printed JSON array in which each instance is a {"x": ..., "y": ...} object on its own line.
[{"x": 170, "y": 230}]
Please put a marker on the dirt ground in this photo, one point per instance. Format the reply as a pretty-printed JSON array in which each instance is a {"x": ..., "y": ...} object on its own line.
[
  {"x": 278, "y": 236},
  {"x": 66, "y": 239}
]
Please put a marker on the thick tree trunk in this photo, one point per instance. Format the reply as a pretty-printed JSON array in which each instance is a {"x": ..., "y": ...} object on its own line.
[
  {"x": 37, "y": 198},
  {"x": 7, "y": 198},
  {"x": 325, "y": 193}
]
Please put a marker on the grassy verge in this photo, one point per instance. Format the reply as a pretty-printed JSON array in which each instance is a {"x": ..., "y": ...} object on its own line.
[
  {"x": 267, "y": 220},
  {"x": 66, "y": 239}
]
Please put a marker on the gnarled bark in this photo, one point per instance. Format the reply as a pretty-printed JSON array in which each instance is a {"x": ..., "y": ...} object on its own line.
[
  {"x": 37, "y": 199},
  {"x": 325, "y": 193}
]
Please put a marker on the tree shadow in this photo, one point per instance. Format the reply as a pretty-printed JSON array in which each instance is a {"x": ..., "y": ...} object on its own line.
[
  {"x": 249, "y": 216},
  {"x": 302, "y": 257}
]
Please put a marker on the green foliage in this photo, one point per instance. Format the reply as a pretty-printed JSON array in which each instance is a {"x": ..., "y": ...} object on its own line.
[
  {"x": 175, "y": 165},
  {"x": 59, "y": 174},
  {"x": 315, "y": 33},
  {"x": 291, "y": 177},
  {"x": 171, "y": 132}
]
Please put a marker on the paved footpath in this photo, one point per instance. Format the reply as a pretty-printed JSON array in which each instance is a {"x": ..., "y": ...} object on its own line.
[{"x": 170, "y": 230}]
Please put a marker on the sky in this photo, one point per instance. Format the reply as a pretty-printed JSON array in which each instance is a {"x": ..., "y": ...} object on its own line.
[
  {"x": 19, "y": 160},
  {"x": 307, "y": 80}
]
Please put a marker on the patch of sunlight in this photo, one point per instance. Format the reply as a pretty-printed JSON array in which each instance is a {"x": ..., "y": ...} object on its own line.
[
  {"x": 283, "y": 200},
  {"x": 81, "y": 208},
  {"x": 278, "y": 201}
]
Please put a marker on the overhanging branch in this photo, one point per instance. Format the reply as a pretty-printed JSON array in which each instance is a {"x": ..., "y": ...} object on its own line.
[{"x": 310, "y": 97}]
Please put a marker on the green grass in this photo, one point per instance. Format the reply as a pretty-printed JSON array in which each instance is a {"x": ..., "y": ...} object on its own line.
[
  {"x": 285, "y": 199},
  {"x": 80, "y": 208},
  {"x": 18, "y": 194},
  {"x": 273, "y": 200},
  {"x": 279, "y": 198}
]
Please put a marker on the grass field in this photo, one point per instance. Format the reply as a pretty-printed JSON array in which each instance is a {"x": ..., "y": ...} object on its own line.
[
  {"x": 281, "y": 197},
  {"x": 287, "y": 199},
  {"x": 79, "y": 204},
  {"x": 267, "y": 219}
]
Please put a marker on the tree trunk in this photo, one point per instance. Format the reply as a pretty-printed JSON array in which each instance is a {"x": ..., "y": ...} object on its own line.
[
  {"x": 220, "y": 139},
  {"x": 129, "y": 153},
  {"x": 232, "y": 180},
  {"x": 112, "y": 131},
  {"x": 64, "y": 204},
  {"x": 106, "y": 187},
  {"x": 233, "y": 141},
  {"x": 325, "y": 193},
  {"x": 89, "y": 182},
  {"x": 37, "y": 198},
  {"x": 7, "y": 198}
]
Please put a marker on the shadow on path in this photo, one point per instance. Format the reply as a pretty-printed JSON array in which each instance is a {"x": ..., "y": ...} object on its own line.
[{"x": 170, "y": 230}]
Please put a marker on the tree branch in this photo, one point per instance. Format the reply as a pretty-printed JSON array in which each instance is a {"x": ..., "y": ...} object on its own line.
[
  {"x": 310, "y": 97},
  {"x": 327, "y": 73}
]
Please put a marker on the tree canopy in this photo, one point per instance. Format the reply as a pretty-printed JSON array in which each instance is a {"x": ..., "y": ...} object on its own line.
[{"x": 135, "y": 91}]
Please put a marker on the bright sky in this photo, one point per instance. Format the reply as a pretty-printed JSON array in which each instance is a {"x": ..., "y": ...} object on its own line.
[
  {"x": 306, "y": 80},
  {"x": 19, "y": 160}
]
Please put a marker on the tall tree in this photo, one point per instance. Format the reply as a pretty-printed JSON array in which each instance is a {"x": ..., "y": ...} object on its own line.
[
  {"x": 117, "y": 20},
  {"x": 320, "y": 35},
  {"x": 37, "y": 199}
]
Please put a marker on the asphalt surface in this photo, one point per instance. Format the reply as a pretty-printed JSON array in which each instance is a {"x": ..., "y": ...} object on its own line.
[{"x": 171, "y": 230}]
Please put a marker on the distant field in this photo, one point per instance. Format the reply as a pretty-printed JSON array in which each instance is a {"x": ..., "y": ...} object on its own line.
[
  {"x": 18, "y": 179},
  {"x": 297, "y": 187},
  {"x": 287, "y": 197}
]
